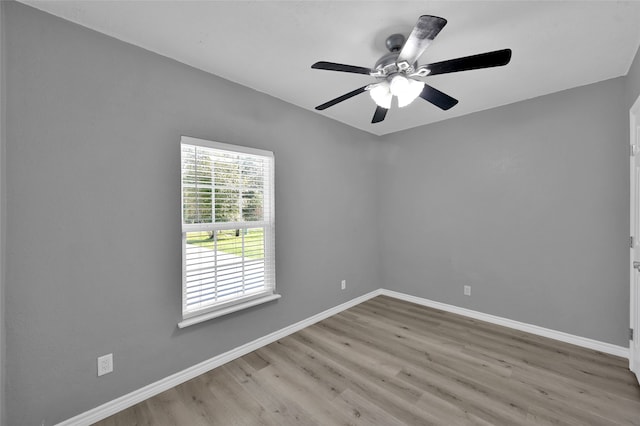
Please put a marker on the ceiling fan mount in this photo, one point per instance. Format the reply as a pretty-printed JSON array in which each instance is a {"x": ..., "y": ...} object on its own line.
[
  {"x": 395, "y": 42},
  {"x": 399, "y": 76}
]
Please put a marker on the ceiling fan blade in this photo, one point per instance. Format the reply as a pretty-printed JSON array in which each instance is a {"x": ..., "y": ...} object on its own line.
[
  {"x": 379, "y": 115},
  {"x": 332, "y": 66},
  {"x": 426, "y": 29},
  {"x": 483, "y": 60},
  {"x": 436, "y": 97},
  {"x": 339, "y": 99}
]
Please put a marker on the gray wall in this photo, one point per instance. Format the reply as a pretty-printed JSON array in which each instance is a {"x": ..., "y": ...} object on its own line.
[
  {"x": 632, "y": 81},
  {"x": 93, "y": 213},
  {"x": 527, "y": 203}
]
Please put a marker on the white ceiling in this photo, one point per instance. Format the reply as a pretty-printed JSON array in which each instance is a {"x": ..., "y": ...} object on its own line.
[{"x": 270, "y": 45}]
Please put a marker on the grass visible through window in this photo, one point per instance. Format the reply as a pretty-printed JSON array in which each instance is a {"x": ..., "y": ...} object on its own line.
[{"x": 230, "y": 241}]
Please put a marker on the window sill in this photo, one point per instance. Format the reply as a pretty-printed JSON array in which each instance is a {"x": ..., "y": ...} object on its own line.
[{"x": 225, "y": 311}]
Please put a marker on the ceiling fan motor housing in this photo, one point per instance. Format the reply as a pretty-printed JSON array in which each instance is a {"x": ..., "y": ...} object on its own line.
[{"x": 388, "y": 65}]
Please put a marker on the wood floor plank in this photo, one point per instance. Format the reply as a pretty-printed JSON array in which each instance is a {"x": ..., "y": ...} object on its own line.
[
  {"x": 167, "y": 409},
  {"x": 290, "y": 388},
  {"x": 427, "y": 344},
  {"x": 398, "y": 399},
  {"x": 364, "y": 411},
  {"x": 389, "y": 362},
  {"x": 284, "y": 411}
]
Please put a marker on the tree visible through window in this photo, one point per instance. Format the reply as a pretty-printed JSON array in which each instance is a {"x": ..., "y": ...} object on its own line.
[{"x": 227, "y": 225}]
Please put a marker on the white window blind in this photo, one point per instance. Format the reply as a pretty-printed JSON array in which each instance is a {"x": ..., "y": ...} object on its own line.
[{"x": 227, "y": 228}]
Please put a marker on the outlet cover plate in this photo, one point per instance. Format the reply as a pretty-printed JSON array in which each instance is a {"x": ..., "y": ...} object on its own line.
[{"x": 105, "y": 364}]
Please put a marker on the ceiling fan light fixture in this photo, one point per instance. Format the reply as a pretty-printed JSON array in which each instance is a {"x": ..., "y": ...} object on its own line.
[
  {"x": 398, "y": 84},
  {"x": 409, "y": 92},
  {"x": 381, "y": 94}
]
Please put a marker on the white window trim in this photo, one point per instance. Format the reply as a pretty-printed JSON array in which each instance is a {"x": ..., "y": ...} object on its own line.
[
  {"x": 228, "y": 310},
  {"x": 191, "y": 318},
  {"x": 225, "y": 146}
]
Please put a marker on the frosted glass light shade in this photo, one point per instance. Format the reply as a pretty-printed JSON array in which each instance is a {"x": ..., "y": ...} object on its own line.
[
  {"x": 410, "y": 92},
  {"x": 398, "y": 84},
  {"x": 405, "y": 89},
  {"x": 381, "y": 94}
]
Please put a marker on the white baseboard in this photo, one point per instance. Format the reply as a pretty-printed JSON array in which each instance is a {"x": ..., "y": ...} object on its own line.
[
  {"x": 584, "y": 342},
  {"x": 112, "y": 407}
]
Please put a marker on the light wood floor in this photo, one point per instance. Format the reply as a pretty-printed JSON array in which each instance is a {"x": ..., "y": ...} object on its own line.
[{"x": 389, "y": 362}]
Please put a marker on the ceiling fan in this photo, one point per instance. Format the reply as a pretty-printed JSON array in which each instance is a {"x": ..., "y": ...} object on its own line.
[{"x": 398, "y": 72}]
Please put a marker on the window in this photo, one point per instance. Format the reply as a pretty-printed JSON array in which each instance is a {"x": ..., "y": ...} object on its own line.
[{"x": 228, "y": 260}]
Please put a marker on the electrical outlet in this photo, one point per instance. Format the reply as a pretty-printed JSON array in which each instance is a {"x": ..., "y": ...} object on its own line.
[
  {"x": 105, "y": 364},
  {"x": 343, "y": 284},
  {"x": 467, "y": 290}
]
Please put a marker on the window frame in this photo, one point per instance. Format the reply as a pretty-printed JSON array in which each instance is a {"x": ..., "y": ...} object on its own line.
[{"x": 190, "y": 317}]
